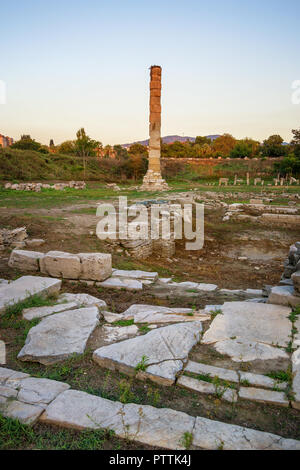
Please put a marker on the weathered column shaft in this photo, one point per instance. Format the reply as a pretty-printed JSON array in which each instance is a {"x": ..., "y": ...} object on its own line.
[
  {"x": 155, "y": 118},
  {"x": 153, "y": 180}
]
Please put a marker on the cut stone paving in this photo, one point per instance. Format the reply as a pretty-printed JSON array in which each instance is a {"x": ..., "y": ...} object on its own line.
[
  {"x": 166, "y": 349},
  {"x": 40, "y": 312},
  {"x": 121, "y": 283},
  {"x": 245, "y": 351},
  {"x": 139, "y": 275},
  {"x": 155, "y": 314},
  {"x": 161, "y": 427},
  {"x": 60, "y": 335},
  {"x": 250, "y": 322},
  {"x": 263, "y": 396},
  {"x": 296, "y": 381},
  {"x": 202, "y": 386},
  {"x": 284, "y": 295},
  {"x": 25, "y": 287},
  {"x": 82, "y": 300}
]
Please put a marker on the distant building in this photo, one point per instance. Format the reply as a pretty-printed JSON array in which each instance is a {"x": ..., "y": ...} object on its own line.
[{"x": 6, "y": 141}]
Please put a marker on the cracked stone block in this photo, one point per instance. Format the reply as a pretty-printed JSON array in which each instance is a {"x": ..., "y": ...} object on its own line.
[
  {"x": 202, "y": 386},
  {"x": 215, "y": 435},
  {"x": 296, "y": 281},
  {"x": 261, "y": 380},
  {"x": 95, "y": 266},
  {"x": 155, "y": 314},
  {"x": 246, "y": 351},
  {"x": 25, "y": 260},
  {"x": 263, "y": 396},
  {"x": 59, "y": 336},
  {"x": 284, "y": 295},
  {"x": 82, "y": 300},
  {"x": 296, "y": 379},
  {"x": 40, "y": 312},
  {"x": 2, "y": 352},
  {"x": 164, "y": 350},
  {"x": 249, "y": 321},
  {"x": 121, "y": 283},
  {"x": 112, "y": 334},
  {"x": 10, "y": 376},
  {"x": 136, "y": 274},
  {"x": 161, "y": 427},
  {"x": 79, "y": 410},
  {"x": 61, "y": 264},
  {"x": 25, "y": 287},
  {"x": 8, "y": 392},
  {"x": 224, "y": 374},
  {"x": 40, "y": 391},
  {"x": 25, "y": 413}
]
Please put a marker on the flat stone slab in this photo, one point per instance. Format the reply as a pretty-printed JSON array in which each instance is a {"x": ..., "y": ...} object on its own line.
[
  {"x": 25, "y": 287},
  {"x": 2, "y": 352},
  {"x": 82, "y": 300},
  {"x": 60, "y": 335},
  {"x": 284, "y": 295},
  {"x": 40, "y": 312},
  {"x": 135, "y": 274},
  {"x": 155, "y": 314},
  {"x": 215, "y": 435},
  {"x": 40, "y": 391},
  {"x": 207, "y": 287},
  {"x": 263, "y": 396},
  {"x": 25, "y": 413},
  {"x": 10, "y": 376},
  {"x": 164, "y": 350},
  {"x": 112, "y": 334},
  {"x": 245, "y": 351},
  {"x": 121, "y": 283},
  {"x": 110, "y": 317},
  {"x": 259, "y": 380},
  {"x": 212, "y": 371},
  {"x": 80, "y": 410},
  {"x": 145, "y": 424},
  {"x": 248, "y": 321},
  {"x": 202, "y": 386},
  {"x": 296, "y": 379}
]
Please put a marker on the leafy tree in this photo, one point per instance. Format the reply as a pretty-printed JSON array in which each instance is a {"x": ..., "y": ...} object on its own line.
[
  {"x": 295, "y": 143},
  {"x": 245, "y": 148},
  {"x": 272, "y": 147},
  {"x": 202, "y": 140},
  {"x": 67, "y": 147},
  {"x": 85, "y": 147},
  {"x": 27, "y": 143},
  {"x": 120, "y": 151},
  {"x": 223, "y": 145}
]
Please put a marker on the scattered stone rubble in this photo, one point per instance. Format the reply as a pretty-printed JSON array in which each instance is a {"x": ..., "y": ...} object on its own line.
[
  {"x": 37, "y": 187},
  {"x": 17, "y": 238},
  {"x": 257, "y": 211}
]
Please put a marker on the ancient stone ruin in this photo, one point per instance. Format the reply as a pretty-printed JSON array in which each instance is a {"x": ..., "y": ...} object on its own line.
[{"x": 153, "y": 180}]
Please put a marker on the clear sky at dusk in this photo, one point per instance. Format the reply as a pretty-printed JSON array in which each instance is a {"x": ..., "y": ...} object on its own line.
[{"x": 228, "y": 66}]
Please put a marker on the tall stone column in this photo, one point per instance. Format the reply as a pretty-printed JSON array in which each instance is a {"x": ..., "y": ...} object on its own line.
[{"x": 153, "y": 180}]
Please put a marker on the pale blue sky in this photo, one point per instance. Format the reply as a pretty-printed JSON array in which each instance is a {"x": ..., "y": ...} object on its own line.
[{"x": 228, "y": 66}]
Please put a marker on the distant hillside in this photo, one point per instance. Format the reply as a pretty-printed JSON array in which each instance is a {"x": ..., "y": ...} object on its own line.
[{"x": 169, "y": 139}]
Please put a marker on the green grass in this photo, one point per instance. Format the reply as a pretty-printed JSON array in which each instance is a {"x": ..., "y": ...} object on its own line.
[
  {"x": 15, "y": 435},
  {"x": 35, "y": 300},
  {"x": 123, "y": 322}
]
